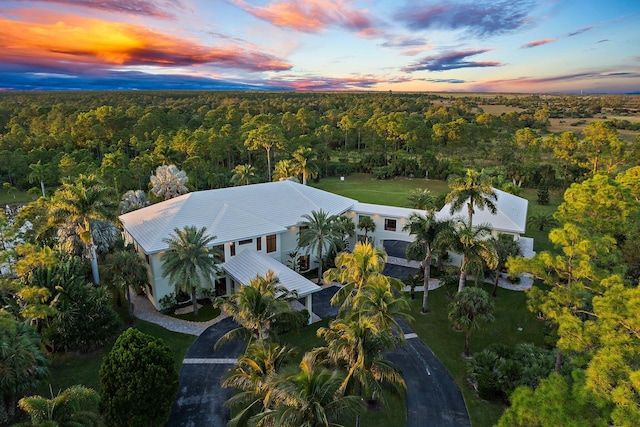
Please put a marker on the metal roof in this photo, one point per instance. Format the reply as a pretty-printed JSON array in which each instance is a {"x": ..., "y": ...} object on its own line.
[
  {"x": 248, "y": 264},
  {"x": 383, "y": 210},
  {"x": 231, "y": 214},
  {"x": 511, "y": 214}
]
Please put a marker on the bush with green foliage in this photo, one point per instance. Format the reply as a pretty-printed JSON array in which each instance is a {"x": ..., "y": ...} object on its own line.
[
  {"x": 23, "y": 364},
  {"x": 499, "y": 369},
  {"x": 139, "y": 381},
  {"x": 543, "y": 196},
  {"x": 84, "y": 318}
]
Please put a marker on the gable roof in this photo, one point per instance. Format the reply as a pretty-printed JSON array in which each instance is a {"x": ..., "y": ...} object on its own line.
[
  {"x": 248, "y": 264},
  {"x": 511, "y": 215},
  {"x": 232, "y": 213}
]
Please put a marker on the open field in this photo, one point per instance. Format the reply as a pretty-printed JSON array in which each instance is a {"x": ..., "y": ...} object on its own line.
[{"x": 577, "y": 125}]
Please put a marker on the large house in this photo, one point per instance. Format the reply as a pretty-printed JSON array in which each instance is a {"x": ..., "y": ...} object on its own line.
[{"x": 255, "y": 228}]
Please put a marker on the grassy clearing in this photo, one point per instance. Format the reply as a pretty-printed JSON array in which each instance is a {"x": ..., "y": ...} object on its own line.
[
  {"x": 435, "y": 330},
  {"x": 15, "y": 196},
  {"x": 75, "y": 368}
]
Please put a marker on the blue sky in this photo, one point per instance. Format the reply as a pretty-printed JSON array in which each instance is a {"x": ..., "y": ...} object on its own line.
[{"x": 476, "y": 46}]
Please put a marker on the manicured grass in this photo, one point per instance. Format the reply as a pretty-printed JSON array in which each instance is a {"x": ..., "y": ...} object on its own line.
[
  {"x": 365, "y": 188},
  {"x": 436, "y": 331},
  {"x": 205, "y": 313},
  {"x": 76, "y": 368},
  {"x": 9, "y": 197}
]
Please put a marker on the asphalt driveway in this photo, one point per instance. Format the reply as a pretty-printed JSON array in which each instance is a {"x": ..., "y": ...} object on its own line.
[{"x": 433, "y": 398}]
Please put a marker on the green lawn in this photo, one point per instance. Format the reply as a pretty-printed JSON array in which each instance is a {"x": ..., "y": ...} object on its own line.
[
  {"x": 15, "y": 196},
  {"x": 73, "y": 368}
]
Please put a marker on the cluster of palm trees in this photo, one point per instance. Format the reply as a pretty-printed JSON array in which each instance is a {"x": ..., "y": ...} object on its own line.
[{"x": 332, "y": 383}]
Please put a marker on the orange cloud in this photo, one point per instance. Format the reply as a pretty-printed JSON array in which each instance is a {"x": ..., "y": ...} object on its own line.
[
  {"x": 317, "y": 83},
  {"x": 312, "y": 16},
  {"x": 79, "y": 40},
  {"x": 537, "y": 43}
]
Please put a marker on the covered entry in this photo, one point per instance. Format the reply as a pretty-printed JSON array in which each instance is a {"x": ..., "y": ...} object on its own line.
[{"x": 248, "y": 264}]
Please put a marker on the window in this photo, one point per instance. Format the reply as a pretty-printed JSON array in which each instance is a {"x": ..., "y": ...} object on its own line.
[
  {"x": 245, "y": 241},
  {"x": 232, "y": 249},
  {"x": 390, "y": 224},
  {"x": 302, "y": 228},
  {"x": 146, "y": 258},
  {"x": 271, "y": 243},
  {"x": 303, "y": 262},
  {"x": 259, "y": 244}
]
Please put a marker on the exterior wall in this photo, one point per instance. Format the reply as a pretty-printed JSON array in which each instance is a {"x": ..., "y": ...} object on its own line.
[{"x": 378, "y": 236}]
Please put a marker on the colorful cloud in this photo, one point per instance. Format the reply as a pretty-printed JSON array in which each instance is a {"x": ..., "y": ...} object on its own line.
[
  {"x": 537, "y": 43},
  {"x": 450, "y": 61},
  {"x": 483, "y": 19},
  {"x": 319, "y": 83},
  {"x": 312, "y": 16},
  {"x": 580, "y": 31},
  {"x": 135, "y": 7},
  {"x": 98, "y": 43}
]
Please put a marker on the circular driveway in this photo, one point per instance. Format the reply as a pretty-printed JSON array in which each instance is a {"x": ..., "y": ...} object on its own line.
[{"x": 433, "y": 398}]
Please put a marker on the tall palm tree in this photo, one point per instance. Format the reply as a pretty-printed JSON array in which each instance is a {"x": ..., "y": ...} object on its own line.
[
  {"x": 309, "y": 396},
  {"x": 473, "y": 190},
  {"x": 505, "y": 247},
  {"x": 283, "y": 170},
  {"x": 126, "y": 270},
  {"x": 39, "y": 173},
  {"x": 353, "y": 270},
  {"x": 190, "y": 261},
  {"x": 473, "y": 244},
  {"x": 80, "y": 203},
  {"x": 252, "y": 379},
  {"x": 469, "y": 310},
  {"x": 318, "y": 234},
  {"x": 303, "y": 162},
  {"x": 257, "y": 307},
  {"x": 169, "y": 182},
  {"x": 383, "y": 301},
  {"x": 243, "y": 175},
  {"x": 427, "y": 232}
]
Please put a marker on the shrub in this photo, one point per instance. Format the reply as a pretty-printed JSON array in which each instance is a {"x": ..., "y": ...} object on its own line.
[
  {"x": 543, "y": 196},
  {"x": 139, "y": 381}
]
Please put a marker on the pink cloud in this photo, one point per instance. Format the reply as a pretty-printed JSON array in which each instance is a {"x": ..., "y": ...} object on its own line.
[
  {"x": 313, "y": 16},
  {"x": 155, "y": 9},
  {"x": 537, "y": 43}
]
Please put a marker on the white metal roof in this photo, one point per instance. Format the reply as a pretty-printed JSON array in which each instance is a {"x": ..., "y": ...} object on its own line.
[
  {"x": 511, "y": 215},
  {"x": 230, "y": 214},
  {"x": 248, "y": 264},
  {"x": 383, "y": 210}
]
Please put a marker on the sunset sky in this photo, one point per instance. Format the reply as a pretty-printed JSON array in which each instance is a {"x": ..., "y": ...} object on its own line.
[{"x": 549, "y": 46}]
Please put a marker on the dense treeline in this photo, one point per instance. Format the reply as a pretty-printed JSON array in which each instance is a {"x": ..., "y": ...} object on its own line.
[{"x": 124, "y": 136}]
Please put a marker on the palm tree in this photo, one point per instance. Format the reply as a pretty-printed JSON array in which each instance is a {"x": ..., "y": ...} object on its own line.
[
  {"x": 428, "y": 232},
  {"x": 422, "y": 199},
  {"x": 383, "y": 301},
  {"x": 345, "y": 228},
  {"x": 258, "y": 307},
  {"x": 470, "y": 308},
  {"x": 190, "y": 261},
  {"x": 540, "y": 220},
  {"x": 303, "y": 163},
  {"x": 75, "y": 406},
  {"x": 252, "y": 379},
  {"x": 39, "y": 173},
  {"x": 358, "y": 345},
  {"x": 473, "y": 189},
  {"x": 318, "y": 233},
  {"x": 126, "y": 270},
  {"x": 505, "y": 247},
  {"x": 309, "y": 396},
  {"x": 133, "y": 200},
  {"x": 472, "y": 243},
  {"x": 353, "y": 270},
  {"x": 80, "y": 204},
  {"x": 169, "y": 182},
  {"x": 366, "y": 224},
  {"x": 243, "y": 175}
]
